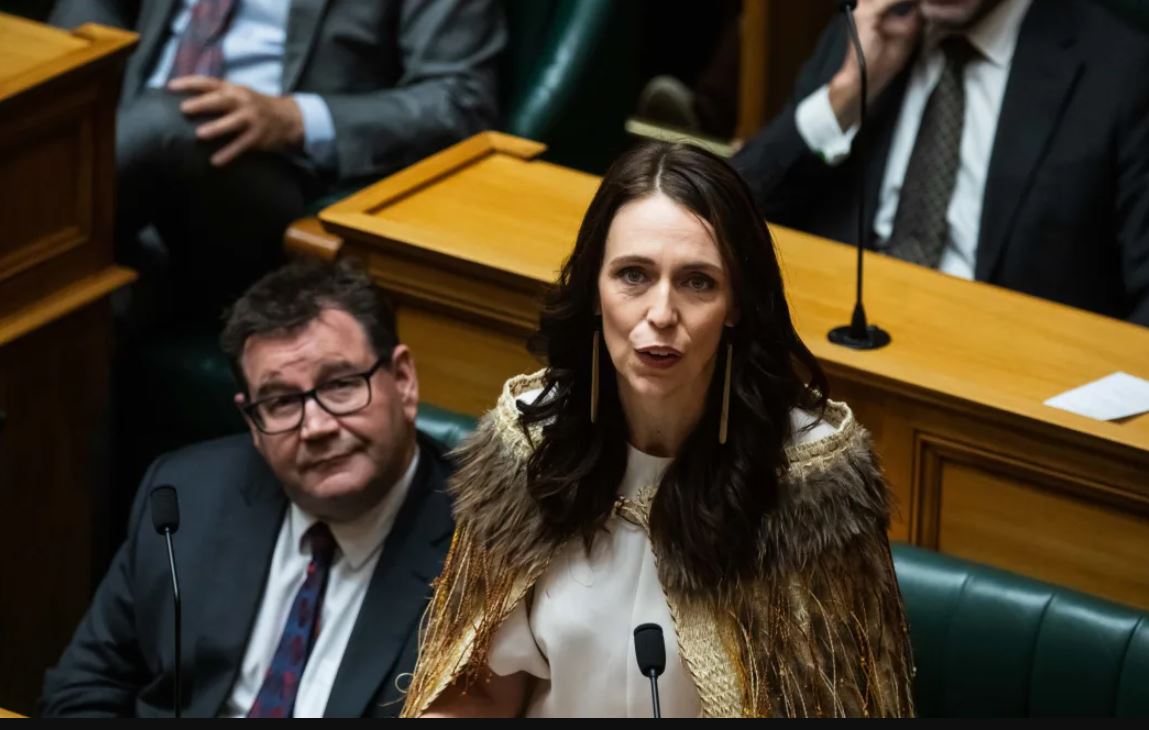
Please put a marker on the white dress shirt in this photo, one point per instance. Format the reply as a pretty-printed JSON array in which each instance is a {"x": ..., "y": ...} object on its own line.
[
  {"x": 577, "y": 635},
  {"x": 986, "y": 74},
  {"x": 359, "y": 545},
  {"x": 253, "y": 57}
]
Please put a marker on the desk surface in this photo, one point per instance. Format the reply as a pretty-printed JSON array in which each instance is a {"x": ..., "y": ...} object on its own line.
[
  {"x": 514, "y": 219},
  {"x": 31, "y": 53}
]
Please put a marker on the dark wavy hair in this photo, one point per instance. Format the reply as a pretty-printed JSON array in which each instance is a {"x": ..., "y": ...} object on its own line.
[
  {"x": 713, "y": 498},
  {"x": 290, "y": 297}
]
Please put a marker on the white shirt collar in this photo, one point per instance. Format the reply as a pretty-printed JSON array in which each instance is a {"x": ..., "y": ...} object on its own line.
[
  {"x": 362, "y": 537},
  {"x": 995, "y": 35}
]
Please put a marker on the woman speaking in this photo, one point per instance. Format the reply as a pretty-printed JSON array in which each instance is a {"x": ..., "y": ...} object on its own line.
[{"x": 676, "y": 463}]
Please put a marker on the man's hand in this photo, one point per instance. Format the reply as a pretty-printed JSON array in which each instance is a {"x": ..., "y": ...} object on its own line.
[
  {"x": 253, "y": 120},
  {"x": 888, "y": 40}
]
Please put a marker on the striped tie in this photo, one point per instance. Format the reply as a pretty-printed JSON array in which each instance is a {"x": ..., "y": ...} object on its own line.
[{"x": 200, "y": 50}]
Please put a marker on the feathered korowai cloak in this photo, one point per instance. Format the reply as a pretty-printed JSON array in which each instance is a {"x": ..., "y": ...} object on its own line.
[{"x": 819, "y": 631}]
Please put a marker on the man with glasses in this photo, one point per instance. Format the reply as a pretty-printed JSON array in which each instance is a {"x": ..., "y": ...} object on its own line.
[{"x": 305, "y": 549}]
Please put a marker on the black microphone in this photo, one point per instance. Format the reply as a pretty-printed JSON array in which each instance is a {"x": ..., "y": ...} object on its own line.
[
  {"x": 858, "y": 334},
  {"x": 166, "y": 519},
  {"x": 650, "y": 651}
]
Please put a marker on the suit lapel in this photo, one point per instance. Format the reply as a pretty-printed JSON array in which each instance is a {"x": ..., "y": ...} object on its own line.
[
  {"x": 238, "y": 563},
  {"x": 412, "y": 557},
  {"x": 154, "y": 23},
  {"x": 303, "y": 23},
  {"x": 1044, "y": 71}
]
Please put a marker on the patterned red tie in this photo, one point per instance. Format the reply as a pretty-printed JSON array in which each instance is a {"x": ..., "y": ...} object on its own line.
[
  {"x": 276, "y": 697},
  {"x": 200, "y": 50}
]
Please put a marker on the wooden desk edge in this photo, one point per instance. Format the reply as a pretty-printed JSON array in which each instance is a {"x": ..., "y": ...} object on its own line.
[
  {"x": 63, "y": 302},
  {"x": 104, "y": 43},
  {"x": 434, "y": 167}
]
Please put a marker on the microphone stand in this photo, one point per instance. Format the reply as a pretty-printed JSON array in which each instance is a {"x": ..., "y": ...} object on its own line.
[
  {"x": 859, "y": 334},
  {"x": 176, "y": 597},
  {"x": 654, "y": 693}
]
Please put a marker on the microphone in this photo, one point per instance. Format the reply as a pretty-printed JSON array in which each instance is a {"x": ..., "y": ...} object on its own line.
[
  {"x": 650, "y": 651},
  {"x": 165, "y": 508},
  {"x": 859, "y": 334}
]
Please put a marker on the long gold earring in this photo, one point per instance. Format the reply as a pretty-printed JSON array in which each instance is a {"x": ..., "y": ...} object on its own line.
[
  {"x": 724, "y": 422},
  {"x": 594, "y": 379}
]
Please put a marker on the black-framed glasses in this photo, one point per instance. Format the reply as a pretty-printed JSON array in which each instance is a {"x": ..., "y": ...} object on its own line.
[{"x": 340, "y": 396}]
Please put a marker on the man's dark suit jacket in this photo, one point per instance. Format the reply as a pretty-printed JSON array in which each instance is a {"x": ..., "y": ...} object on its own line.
[
  {"x": 402, "y": 78},
  {"x": 1066, "y": 209},
  {"x": 121, "y": 663}
]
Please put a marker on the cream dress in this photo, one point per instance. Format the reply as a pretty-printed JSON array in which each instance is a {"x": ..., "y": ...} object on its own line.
[{"x": 575, "y": 630}]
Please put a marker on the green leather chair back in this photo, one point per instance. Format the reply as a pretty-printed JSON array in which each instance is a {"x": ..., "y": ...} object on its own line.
[
  {"x": 988, "y": 643},
  {"x": 446, "y": 427},
  {"x": 570, "y": 77}
]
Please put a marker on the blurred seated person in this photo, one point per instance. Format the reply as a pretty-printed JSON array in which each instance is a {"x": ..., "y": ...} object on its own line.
[
  {"x": 1006, "y": 141},
  {"x": 236, "y": 113},
  {"x": 305, "y": 548}
]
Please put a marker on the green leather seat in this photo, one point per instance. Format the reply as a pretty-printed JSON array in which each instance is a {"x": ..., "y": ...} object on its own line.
[
  {"x": 988, "y": 643},
  {"x": 446, "y": 427},
  {"x": 570, "y": 77}
]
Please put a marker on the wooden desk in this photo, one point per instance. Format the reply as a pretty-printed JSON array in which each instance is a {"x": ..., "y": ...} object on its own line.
[
  {"x": 466, "y": 240},
  {"x": 58, "y": 95}
]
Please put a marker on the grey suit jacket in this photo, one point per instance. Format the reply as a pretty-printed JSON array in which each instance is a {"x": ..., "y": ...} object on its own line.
[
  {"x": 121, "y": 660},
  {"x": 402, "y": 78}
]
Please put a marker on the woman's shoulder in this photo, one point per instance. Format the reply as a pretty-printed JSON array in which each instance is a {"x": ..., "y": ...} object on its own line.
[
  {"x": 808, "y": 427},
  {"x": 835, "y": 491},
  {"x": 816, "y": 434},
  {"x": 503, "y": 419}
]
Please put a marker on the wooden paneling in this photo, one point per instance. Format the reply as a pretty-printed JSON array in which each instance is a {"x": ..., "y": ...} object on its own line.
[
  {"x": 1016, "y": 518},
  {"x": 458, "y": 360},
  {"x": 954, "y": 404},
  {"x": 58, "y": 95},
  {"x": 57, "y": 155},
  {"x": 53, "y": 492},
  {"x": 46, "y": 213},
  {"x": 967, "y": 483},
  {"x": 62, "y": 302}
]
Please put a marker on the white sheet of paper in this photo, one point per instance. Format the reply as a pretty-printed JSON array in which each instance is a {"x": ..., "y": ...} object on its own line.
[{"x": 1115, "y": 396}]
